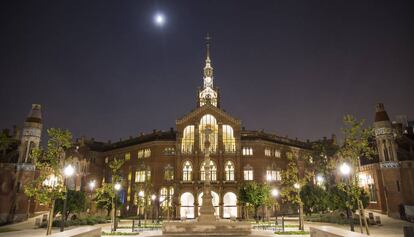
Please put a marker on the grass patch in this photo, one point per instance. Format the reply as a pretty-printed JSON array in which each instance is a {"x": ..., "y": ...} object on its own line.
[
  {"x": 118, "y": 233},
  {"x": 4, "y": 230},
  {"x": 293, "y": 232}
]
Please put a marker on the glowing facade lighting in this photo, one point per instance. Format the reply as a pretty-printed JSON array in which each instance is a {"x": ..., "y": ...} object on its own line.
[
  {"x": 275, "y": 192},
  {"x": 69, "y": 170},
  {"x": 117, "y": 186},
  {"x": 51, "y": 181},
  {"x": 92, "y": 184},
  {"x": 141, "y": 193},
  {"x": 345, "y": 169},
  {"x": 320, "y": 179},
  {"x": 153, "y": 197},
  {"x": 296, "y": 185}
]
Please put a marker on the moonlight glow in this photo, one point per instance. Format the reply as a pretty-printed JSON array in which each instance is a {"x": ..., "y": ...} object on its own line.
[{"x": 159, "y": 19}]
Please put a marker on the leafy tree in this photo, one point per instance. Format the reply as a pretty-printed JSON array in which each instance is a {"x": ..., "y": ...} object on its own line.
[
  {"x": 104, "y": 196},
  {"x": 315, "y": 199},
  {"x": 356, "y": 141},
  {"x": 293, "y": 179},
  {"x": 76, "y": 203},
  {"x": 256, "y": 195},
  {"x": 356, "y": 145},
  {"x": 339, "y": 197},
  {"x": 48, "y": 184},
  {"x": 322, "y": 153}
]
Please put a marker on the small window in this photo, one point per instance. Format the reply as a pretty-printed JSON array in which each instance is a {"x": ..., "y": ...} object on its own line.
[
  {"x": 277, "y": 153},
  {"x": 273, "y": 175},
  {"x": 142, "y": 176},
  {"x": 398, "y": 186},
  {"x": 268, "y": 152},
  {"x": 168, "y": 173},
  {"x": 106, "y": 160},
  {"x": 248, "y": 173},
  {"x": 247, "y": 151},
  {"x": 187, "y": 171},
  {"x": 169, "y": 151},
  {"x": 127, "y": 156},
  {"x": 144, "y": 153}
]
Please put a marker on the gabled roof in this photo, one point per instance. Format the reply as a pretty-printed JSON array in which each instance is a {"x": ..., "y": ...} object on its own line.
[
  {"x": 155, "y": 136},
  {"x": 204, "y": 109},
  {"x": 260, "y": 135}
]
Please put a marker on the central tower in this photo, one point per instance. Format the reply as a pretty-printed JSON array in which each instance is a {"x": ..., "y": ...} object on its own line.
[{"x": 208, "y": 94}]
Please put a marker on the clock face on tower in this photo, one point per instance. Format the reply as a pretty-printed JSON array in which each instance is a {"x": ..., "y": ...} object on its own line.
[{"x": 208, "y": 82}]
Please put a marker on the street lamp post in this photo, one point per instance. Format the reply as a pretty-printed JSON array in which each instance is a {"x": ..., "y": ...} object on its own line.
[
  {"x": 153, "y": 198},
  {"x": 275, "y": 194},
  {"x": 92, "y": 185},
  {"x": 345, "y": 170},
  {"x": 117, "y": 187},
  {"x": 68, "y": 171},
  {"x": 140, "y": 195},
  {"x": 301, "y": 223}
]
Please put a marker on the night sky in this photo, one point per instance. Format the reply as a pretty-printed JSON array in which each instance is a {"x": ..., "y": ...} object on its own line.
[{"x": 104, "y": 69}]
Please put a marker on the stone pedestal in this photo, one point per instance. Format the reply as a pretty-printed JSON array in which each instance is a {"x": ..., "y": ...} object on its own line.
[{"x": 205, "y": 228}]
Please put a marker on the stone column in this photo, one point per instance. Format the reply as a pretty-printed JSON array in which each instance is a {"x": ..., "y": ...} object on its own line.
[{"x": 207, "y": 209}]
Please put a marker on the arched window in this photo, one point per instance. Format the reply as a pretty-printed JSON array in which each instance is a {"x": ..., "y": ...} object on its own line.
[
  {"x": 248, "y": 172},
  {"x": 228, "y": 139},
  {"x": 142, "y": 174},
  {"x": 187, "y": 205},
  {"x": 168, "y": 172},
  {"x": 208, "y": 121},
  {"x": 187, "y": 142},
  {"x": 213, "y": 171},
  {"x": 187, "y": 171},
  {"x": 273, "y": 174},
  {"x": 229, "y": 170},
  {"x": 229, "y": 205},
  {"x": 166, "y": 196}
]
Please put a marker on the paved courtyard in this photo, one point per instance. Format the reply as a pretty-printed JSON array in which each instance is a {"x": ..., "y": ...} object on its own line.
[{"x": 390, "y": 228}]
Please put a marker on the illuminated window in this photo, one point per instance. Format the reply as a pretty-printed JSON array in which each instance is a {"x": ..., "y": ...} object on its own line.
[
  {"x": 248, "y": 173},
  {"x": 208, "y": 121},
  {"x": 106, "y": 160},
  {"x": 372, "y": 193},
  {"x": 277, "y": 153},
  {"x": 144, "y": 153},
  {"x": 268, "y": 152},
  {"x": 213, "y": 171},
  {"x": 169, "y": 151},
  {"x": 228, "y": 139},
  {"x": 142, "y": 175},
  {"x": 166, "y": 196},
  {"x": 168, "y": 173},
  {"x": 289, "y": 155},
  {"x": 273, "y": 175},
  {"x": 187, "y": 171},
  {"x": 187, "y": 142},
  {"x": 229, "y": 170},
  {"x": 247, "y": 151},
  {"x": 127, "y": 156}
]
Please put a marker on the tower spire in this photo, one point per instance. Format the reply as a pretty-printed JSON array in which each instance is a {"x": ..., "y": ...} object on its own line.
[{"x": 208, "y": 69}]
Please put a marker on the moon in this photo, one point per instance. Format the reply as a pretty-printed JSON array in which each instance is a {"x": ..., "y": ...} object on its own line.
[{"x": 159, "y": 19}]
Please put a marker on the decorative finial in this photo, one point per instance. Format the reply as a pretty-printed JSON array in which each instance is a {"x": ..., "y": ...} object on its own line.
[
  {"x": 208, "y": 69},
  {"x": 208, "y": 39}
]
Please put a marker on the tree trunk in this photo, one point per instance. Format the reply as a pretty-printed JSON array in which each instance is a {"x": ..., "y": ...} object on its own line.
[
  {"x": 50, "y": 221},
  {"x": 301, "y": 222}
]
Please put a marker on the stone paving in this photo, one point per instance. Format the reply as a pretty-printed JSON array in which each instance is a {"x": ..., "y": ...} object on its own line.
[{"x": 390, "y": 228}]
